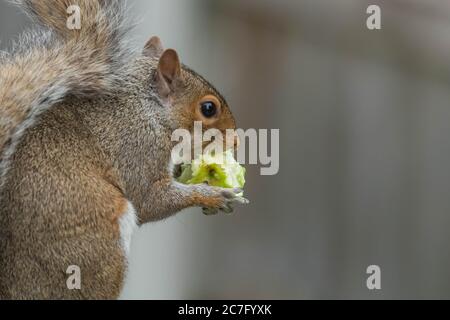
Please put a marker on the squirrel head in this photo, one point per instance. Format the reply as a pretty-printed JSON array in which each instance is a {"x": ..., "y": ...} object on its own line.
[{"x": 189, "y": 95}]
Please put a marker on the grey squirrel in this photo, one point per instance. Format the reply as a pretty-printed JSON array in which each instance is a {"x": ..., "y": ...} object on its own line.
[{"x": 85, "y": 141}]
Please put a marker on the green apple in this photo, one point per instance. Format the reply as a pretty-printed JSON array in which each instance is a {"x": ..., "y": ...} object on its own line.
[{"x": 220, "y": 170}]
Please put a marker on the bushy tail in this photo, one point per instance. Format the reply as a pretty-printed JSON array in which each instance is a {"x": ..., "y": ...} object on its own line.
[{"x": 59, "y": 61}]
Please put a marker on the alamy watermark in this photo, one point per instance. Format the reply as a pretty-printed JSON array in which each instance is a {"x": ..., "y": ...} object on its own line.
[
  {"x": 373, "y": 282},
  {"x": 256, "y": 142},
  {"x": 74, "y": 20},
  {"x": 74, "y": 279},
  {"x": 373, "y": 22}
]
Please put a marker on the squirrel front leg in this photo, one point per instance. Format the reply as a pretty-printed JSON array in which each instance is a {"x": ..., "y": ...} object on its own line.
[{"x": 168, "y": 196}]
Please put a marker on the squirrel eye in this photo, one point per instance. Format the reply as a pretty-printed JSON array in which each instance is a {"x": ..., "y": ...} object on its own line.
[{"x": 209, "y": 109}]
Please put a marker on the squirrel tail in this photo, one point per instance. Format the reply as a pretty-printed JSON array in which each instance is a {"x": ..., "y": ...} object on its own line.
[{"x": 61, "y": 59}]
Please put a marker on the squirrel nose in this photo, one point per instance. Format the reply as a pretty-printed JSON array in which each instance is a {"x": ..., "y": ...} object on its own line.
[
  {"x": 237, "y": 141},
  {"x": 232, "y": 141}
]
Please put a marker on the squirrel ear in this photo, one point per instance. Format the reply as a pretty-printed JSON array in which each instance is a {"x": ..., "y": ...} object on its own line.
[
  {"x": 153, "y": 48},
  {"x": 169, "y": 70}
]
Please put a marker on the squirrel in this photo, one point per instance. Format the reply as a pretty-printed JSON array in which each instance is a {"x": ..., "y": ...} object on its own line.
[{"x": 85, "y": 142}]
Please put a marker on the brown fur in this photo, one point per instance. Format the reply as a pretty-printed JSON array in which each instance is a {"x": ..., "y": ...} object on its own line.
[{"x": 74, "y": 170}]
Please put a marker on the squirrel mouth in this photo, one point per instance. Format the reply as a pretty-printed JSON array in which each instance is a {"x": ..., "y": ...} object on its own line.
[{"x": 177, "y": 170}]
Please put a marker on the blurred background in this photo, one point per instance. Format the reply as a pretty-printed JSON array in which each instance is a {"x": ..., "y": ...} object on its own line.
[{"x": 364, "y": 119}]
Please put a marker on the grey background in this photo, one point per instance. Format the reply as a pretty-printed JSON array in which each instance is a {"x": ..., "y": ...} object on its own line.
[{"x": 364, "y": 121}]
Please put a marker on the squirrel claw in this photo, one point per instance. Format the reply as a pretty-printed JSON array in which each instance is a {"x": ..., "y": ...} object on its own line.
[
  {"x": 229, "y": 197},
  {"x": 210, "y": 211},
  {"x": 228, "y": 208},
  {"x": 231, "y": 193},
  {"x": 242, "y": 200}
]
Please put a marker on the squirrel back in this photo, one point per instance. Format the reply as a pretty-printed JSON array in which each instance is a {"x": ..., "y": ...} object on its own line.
[{"x": 55, "y": 62}]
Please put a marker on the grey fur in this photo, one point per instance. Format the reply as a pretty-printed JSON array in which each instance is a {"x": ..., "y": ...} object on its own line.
[{"x": 71, "y": 81}]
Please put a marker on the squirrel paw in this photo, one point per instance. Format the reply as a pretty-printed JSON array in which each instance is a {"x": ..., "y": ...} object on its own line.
[{"x": 226, "y": 199}]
